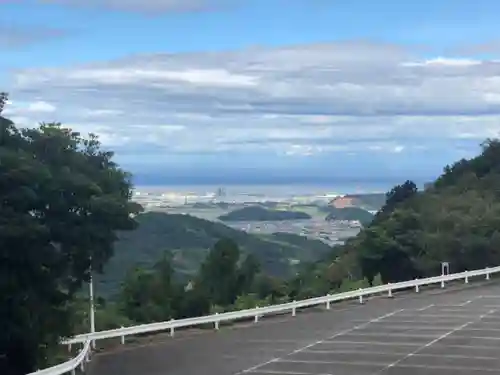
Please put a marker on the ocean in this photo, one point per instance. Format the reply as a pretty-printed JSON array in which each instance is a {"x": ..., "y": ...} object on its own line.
[{"x": 278, "y": 192}]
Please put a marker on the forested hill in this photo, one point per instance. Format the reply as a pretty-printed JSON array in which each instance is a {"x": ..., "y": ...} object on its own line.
[
  {"x": 189, "y": 239},
  {"x": 257, "y": 213},
  {"x": 456, "y": 220}
]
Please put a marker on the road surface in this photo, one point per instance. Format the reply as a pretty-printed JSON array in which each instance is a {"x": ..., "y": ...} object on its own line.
[{"x": 434, "y": 332}]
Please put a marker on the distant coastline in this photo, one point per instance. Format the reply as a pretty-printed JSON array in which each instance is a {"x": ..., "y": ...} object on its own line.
[{"x": 340, "y": 188}]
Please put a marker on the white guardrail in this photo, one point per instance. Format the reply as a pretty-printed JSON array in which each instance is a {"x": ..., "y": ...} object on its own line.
[
  {"x": 254, "y": 313},
  {"x": 69, "y": 366}
]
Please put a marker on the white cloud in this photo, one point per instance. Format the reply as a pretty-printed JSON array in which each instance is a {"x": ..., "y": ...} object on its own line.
[
  {"x": 300, "y": 100},
  {"x": 444, "y": 62},
  {"x": 41, "y": 106},
  {"x": 29, "y": 108},
  {"x": 123, "y": 76}
]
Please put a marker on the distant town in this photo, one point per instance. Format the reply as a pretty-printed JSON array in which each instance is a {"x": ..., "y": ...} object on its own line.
[{"x": 212, "y": 205}]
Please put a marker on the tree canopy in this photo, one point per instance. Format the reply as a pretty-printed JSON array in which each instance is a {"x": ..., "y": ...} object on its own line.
[
  {"x": 259, "y": 213},
  {"x": 62, "y": 198}
]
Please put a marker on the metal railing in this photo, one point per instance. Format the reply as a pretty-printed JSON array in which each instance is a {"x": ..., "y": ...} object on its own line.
[
  {"x": 254, "y": 313},
  {"x": 69, "y": 366}
]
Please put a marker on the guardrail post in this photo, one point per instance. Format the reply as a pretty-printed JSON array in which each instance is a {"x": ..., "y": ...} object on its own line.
[
  {"x": 294, "y": 310},
  {"x": 417, "y": 289},
  {"x": 122, "y": 339},
  {"x": 466, "y": 279},
  {"x": 256, "y": 320},
  {"x": 487, "y": 273},
  {"x": 172, "y": 330},
  {"x": 442, "y": 283},
  {"x": 69, "y": 347},
  {"x": 73, "y": 372},
  {"x": 328, "y": 302},
  {"x": 360, "y": 296},
  {"x": 82, "y": 366},
  {"x": 389, "y": 293},
  {"x": 216, "y": 324}
]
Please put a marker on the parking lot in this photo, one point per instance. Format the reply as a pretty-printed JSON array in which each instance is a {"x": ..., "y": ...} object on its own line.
[
  {"x": 441, "y": 331},
  {"x": 463, "y": 338}
]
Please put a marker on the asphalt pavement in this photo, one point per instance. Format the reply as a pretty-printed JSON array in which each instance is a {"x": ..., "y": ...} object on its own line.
[{"x": 438, "y": 331}]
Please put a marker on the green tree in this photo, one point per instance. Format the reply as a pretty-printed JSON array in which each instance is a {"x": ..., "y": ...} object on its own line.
[
  {"x": 3, "y": 101},
  {"x": 272, "y": 288},
  {"x": 62, "y": 198},
  {"x": 149, "y": 295},
  {"x": 396, "y": 196},
  {"x": 193, "y": 302},
  {"x": 219, "y": 273},
  {"x": 248, "y": 269}
]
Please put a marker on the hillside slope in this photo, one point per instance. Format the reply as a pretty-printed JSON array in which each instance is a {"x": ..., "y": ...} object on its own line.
[
  {"x": 349, "y": 213},
  {"x": 189, "y": 239}
]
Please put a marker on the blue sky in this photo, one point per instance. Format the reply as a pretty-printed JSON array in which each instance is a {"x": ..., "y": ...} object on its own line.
[{"x": 256, "y": 89}]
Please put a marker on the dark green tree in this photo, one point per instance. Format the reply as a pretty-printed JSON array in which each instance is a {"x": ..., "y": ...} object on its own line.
[
  {"x": 248, "y": 270},
  {"x": 150, "y": 295},
  {"x": 61, "y": 200},
  {"x": 396, "y": 196},
  {"x": 218, "y": 275},
  {"x": 3, "y": 101},
  {"x": 266, "y": 286},
  {"x": 192, "y": 302}
]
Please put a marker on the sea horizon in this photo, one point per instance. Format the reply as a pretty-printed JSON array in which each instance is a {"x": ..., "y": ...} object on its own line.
[{"x": 271, "y": 189}]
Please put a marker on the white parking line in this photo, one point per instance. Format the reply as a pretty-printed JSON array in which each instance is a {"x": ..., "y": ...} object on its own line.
[
  {"x": 465, "y": 303},
  {"x": 278, "y": 372},
  {"x": 430, "y": 343},
  {"x": 370, "y": 343},
  {"x": 346, "y": 343},
  {"x": 444, "y": 316},
  {"x": 477, "y": 338},
  {"x": 411, "y": 327},
  {"x": 250, "y": 369},
  {"x": 438, "y": 323},
  {"x": 469, "y": 329},
  {"x": 273, "y": 341},
  {"x": 426, "y": 307},
  {"x": 459, "y": 310},
  {"x": 494, "y": 326},
  {"x": 375, "y": 364},
  {"x": 392, "y": 352},
  {"x": 390, "y": 334}
]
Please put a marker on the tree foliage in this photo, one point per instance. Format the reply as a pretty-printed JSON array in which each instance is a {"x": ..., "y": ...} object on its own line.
[
  {"x": 153, "y": 295},
  {"x": 62, "y": 198},
  {"x": 189, "y": 239}
]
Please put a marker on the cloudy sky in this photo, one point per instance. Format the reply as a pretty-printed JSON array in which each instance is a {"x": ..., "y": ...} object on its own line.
[{"x": 249, "y": 90}]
